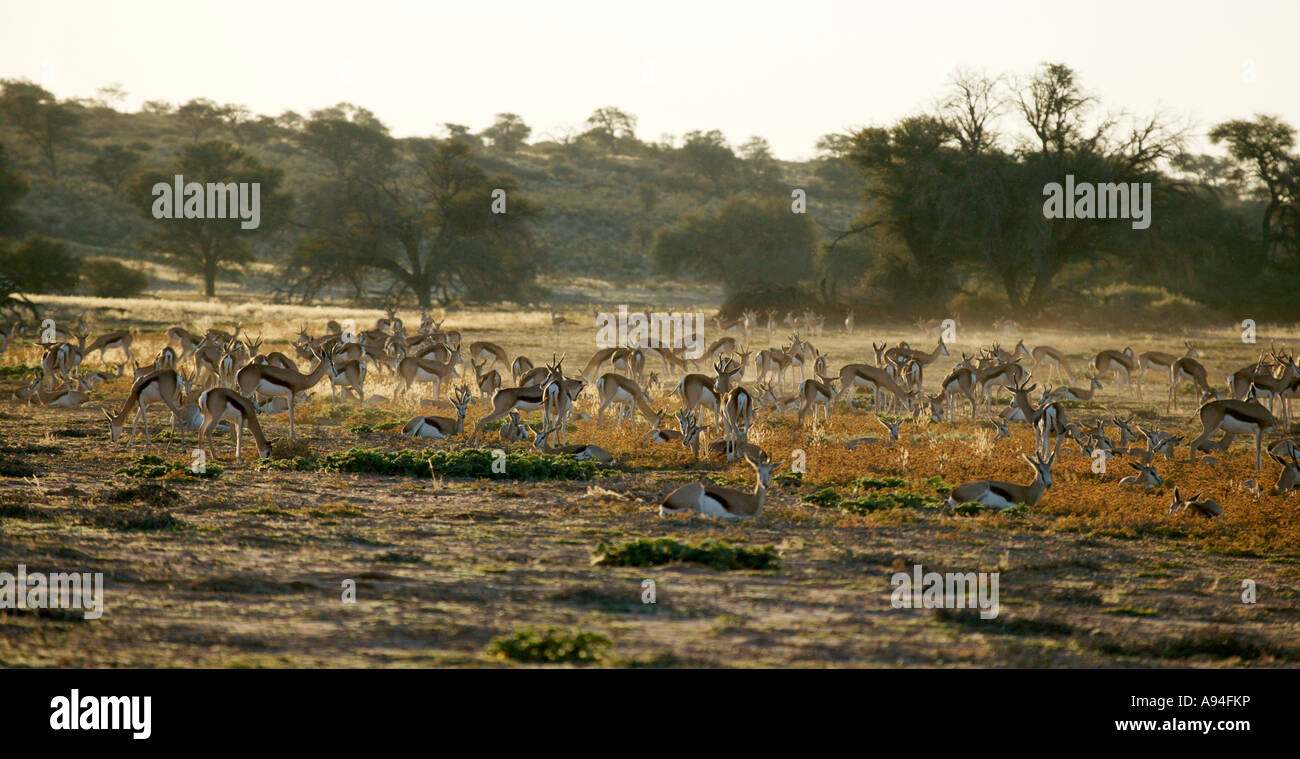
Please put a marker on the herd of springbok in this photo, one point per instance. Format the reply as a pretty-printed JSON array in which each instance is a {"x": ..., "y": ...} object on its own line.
[{"x": 224, "y": 380}]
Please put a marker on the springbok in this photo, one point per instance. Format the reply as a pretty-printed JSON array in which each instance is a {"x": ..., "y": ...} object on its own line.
[
  {"x": 1055, "y": 360},
  {"x": 708, "y": 499},
  {"x": 487, "y": 381},
  {"x": 158, "y": 386},
  {"x": 891, "y": 425},
  {"x": 613, "y": 388},
  {"x": 220, "y": 404},
  {"x": 1235, "y": 418},
  {"x": 1147, "y": 476},
  {"x": 1207, "y": 508},
  {"x": 579, "y": 451},
  {"x": 119, "y": 340},
  {"x": 1004, "y": 495},
  {"x": 1121, "y": 364},
  {"x": 438, "y": 427},
  {"x": 272, "y": 381}
]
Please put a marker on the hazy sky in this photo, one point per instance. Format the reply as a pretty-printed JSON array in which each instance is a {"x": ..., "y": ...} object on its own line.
[{"x": 789, "y": 71}]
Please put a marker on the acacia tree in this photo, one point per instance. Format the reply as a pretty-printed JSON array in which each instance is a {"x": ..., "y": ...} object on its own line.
[
  {"x": 708, "y": 155},
  {"x": 960, "y": 201},
  {"x": 426, "y": 220},
  {"x": 609, "y": 127},
  {"x": 211, "y": 247},
  {"x": 1263, "y": 147},
  {"x": 199, "y": 116},
  {"x": 742, "y": 241},
  {"x": 40, "y": 117},
  {"x": 508, "y": 133}
]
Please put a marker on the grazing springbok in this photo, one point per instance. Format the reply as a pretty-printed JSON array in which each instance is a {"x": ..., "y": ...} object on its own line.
[
  {"x": 1235, "y": 418},
  {"x": 613, "y": 388},
  {"x": 159, "y": 386},
  {"x": 220, "y": 404},
  {"x": 854, "y": 376},
  {"x": 1055, "y": 360},
  {"x": 1004, "y": 495},
  {"x": 708, "y": 499},
  {"x": 119, "y": 340},
  {"x": 1121, "y": 364}
]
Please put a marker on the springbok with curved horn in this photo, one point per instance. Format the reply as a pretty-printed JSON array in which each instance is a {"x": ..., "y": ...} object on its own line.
[
  {"x": 1003, "y": 495},
  {"x": 708, "y": 499},
  {"x": 1147, "y": 476},
  {"x": 1207, "y": 508},
  {"x": 438, "y": 427}
]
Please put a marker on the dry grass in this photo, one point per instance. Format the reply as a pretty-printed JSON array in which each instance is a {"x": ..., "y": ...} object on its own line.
[{"x": 249, "y": 568}]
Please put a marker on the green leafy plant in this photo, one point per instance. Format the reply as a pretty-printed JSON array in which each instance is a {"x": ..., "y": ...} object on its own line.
[
  {"x": 552, "y": 645},
  {"x": 651, "y": 552}
]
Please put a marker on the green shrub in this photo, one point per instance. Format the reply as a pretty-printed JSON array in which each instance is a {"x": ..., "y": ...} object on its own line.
[
  {"x": 894, "y": 500},
  {"x": 464, "y": 462},
  {"x": 152, "y": 466},
  {"x": 874, "y": 483},
  {"x": 40, "y": 264},
  {"x": 826, "y": 498},
  {"x": 652, "y": 552},
  {"x": 109, "y": 278},
  {"x": 551, "y": 645}
]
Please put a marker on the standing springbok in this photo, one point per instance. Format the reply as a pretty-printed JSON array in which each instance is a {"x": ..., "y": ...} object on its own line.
[
  {"x": 487, "y": 381},
  {"x": 119, "y": 340},
  {"x": 272, "y": 381},
  {"x": 1121, "y": 364},
  {"x": 158, "y": 386},
  {"x": 1235, "y": 418},
  {"x": 708, "y": 499},
  {"x": 1055, "y": 360},
  {"x": 698, "y": 390},
  {"x": 1047, "y": 420},
  {"x": 613, "y": 388},
  {"x": 220, "y": 404}
]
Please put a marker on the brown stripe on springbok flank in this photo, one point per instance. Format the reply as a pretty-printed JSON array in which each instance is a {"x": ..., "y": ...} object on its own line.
[
  {"x": 1241, "y": 418},
  {"x": 1008, "y": 497}
]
